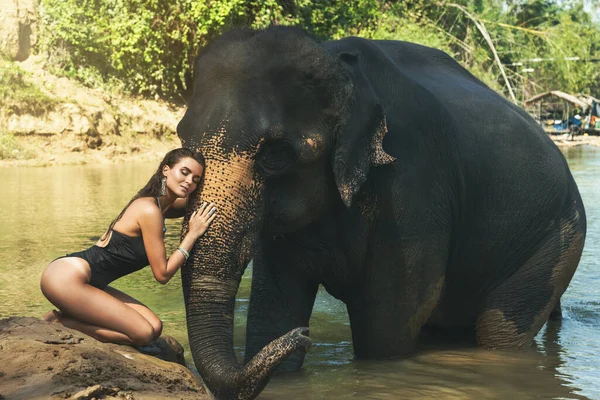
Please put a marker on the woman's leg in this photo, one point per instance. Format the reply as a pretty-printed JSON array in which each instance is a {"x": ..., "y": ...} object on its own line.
[
  {"x": 95, "y": 331},
  {"x": 89, "y": 309},
  {"x": 139, "y": 307}
]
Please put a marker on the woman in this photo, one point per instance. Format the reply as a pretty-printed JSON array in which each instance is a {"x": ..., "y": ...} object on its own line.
[{"x": 77, "y": 284}]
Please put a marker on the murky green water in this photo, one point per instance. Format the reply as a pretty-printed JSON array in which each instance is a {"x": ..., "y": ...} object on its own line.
[{"x": 47, "y": 212}]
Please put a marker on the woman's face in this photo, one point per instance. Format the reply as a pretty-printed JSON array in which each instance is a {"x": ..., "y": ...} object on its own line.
[{"x": 183, "y": 178}]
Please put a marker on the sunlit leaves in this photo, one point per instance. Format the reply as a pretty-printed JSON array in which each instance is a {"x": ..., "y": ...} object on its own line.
[{"x": 148, "y": 46}]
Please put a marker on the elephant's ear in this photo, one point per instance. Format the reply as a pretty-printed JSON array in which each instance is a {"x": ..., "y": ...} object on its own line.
[{"x": 358, "y": 142}]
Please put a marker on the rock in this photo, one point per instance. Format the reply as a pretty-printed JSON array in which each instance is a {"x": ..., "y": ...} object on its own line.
[
  {"x": 79, "y": 123},
  {"x": 83, "y": 125},
  {"x": 52, "y": 123},
  {"x": 67, "y": 118},
  {"x": 18, "y": 29},
  {"x": 136, "y": 118},
  {"x": 106, "y": 124},
  {"x": 96, "y": 392},
  {"x": 93, "y": 142},
  {"x": 43, "y": 360}
]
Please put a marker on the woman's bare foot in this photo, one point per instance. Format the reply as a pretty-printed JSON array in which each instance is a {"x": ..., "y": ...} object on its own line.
[{"x": 52, "y": 316}]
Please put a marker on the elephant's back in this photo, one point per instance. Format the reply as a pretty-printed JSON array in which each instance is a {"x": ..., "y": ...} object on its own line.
[
  {"x": 516, "y": 182},
  {"x": 474, "y": 117},
  {"x": 504, "y": 159},
  {"x": 501, "y": 154},
  {"x": 495, "y": 139}
]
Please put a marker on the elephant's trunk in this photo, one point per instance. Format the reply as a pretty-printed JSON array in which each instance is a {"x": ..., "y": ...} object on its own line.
[
  {"x": 210, "y": 329},
  {"x": 211, "y": 279}
]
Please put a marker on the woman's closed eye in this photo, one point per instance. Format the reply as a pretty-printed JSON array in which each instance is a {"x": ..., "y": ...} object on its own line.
[{"x": 186, "y": 172}]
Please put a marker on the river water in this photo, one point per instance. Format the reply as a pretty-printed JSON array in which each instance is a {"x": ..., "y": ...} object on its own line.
[{"x": 47, "y": 212}]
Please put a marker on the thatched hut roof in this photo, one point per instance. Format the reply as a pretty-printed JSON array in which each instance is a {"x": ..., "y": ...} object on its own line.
[{"x": 582, "y": 102}]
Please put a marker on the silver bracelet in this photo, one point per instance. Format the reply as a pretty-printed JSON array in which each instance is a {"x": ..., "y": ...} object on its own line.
[{"x": 185, "y": 253}]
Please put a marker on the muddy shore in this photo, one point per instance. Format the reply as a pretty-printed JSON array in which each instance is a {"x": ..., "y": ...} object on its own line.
[
  {"x": 41, "y": 360},
  {"x": 581, "y": 140}
]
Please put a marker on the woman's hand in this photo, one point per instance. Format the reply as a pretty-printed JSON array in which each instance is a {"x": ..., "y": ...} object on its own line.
[{"x": 201, "y": 219}]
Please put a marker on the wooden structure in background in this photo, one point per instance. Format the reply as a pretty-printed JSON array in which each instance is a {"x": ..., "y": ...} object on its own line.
[{"x": 548, "y": 107}]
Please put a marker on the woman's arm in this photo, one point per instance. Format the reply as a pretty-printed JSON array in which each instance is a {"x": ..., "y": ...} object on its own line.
[
  {"x": 177, "y": 209},
  {"x": 150, "y": 222}
]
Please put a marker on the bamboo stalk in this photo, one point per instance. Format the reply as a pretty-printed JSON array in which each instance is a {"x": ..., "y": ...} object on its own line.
[
  {"x": 519, "y": 28},
  {"x": 481, "y": 27}
]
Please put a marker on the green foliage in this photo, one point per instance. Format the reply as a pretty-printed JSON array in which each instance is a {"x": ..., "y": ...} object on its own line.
[
  {"x": 520, "y": 30},
  {"x": 18, "y": 95},
  {"x": 148, "y": 46},
  {"x": 566, "y": 41},
  {"x": 11, "y": 149},
  {"x": 409, "y": 24},
  {"x": 8, "y": 146}
]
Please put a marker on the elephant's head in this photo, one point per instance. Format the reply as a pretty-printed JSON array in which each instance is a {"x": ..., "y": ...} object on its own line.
[{"x": 288, "y": 131}]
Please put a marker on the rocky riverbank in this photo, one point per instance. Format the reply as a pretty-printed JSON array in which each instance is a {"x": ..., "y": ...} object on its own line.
[
  {"x": 41, "y": 360},
  {"x": 49, "y": 120}
]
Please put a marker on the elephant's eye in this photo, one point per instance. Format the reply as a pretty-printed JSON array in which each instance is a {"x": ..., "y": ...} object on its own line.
[{"x": 275, "y": 157}]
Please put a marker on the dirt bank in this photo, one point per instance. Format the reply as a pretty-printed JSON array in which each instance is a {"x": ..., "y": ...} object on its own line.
[
  {"x": 49, "y": 120},
  {"x": 39, "y": 360}
]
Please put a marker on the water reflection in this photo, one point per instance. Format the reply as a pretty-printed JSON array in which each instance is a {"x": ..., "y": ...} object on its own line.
[
  {"x": 465, "y": 373},
  {"x": 48, "y": 212}
]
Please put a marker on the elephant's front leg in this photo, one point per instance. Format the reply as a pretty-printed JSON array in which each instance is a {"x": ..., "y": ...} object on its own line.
[
  {"x": 281, "y": 299},
  {"x": 386, "y": 316}
]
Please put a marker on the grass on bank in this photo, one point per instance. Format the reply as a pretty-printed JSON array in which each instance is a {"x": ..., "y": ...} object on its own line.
[
  {"x": 11, "y": 149},
  {"x": 18, "y": 95}
]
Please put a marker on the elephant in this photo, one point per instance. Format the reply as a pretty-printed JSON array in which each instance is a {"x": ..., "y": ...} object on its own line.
[{"x": 383, "y": 171}]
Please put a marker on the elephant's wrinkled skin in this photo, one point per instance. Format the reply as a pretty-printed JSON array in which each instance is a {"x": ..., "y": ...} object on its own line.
[{"x": 384, "y": 171}]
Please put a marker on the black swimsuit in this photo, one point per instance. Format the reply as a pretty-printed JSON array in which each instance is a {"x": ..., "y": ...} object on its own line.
[{"x": 122, "y": 256}]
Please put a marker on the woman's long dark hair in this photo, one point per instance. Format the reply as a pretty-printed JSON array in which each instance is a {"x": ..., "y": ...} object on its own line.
[{"x": 152, "y": 188}]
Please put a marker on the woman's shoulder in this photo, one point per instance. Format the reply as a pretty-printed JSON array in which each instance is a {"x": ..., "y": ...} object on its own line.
[{"x": 145, "y": 206}]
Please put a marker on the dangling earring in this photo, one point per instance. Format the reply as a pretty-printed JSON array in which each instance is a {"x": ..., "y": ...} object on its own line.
[{"x": 163, "y": 186}]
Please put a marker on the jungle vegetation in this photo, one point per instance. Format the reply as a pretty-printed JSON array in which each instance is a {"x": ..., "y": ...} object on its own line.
[{"x": 147, "y": 47}]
